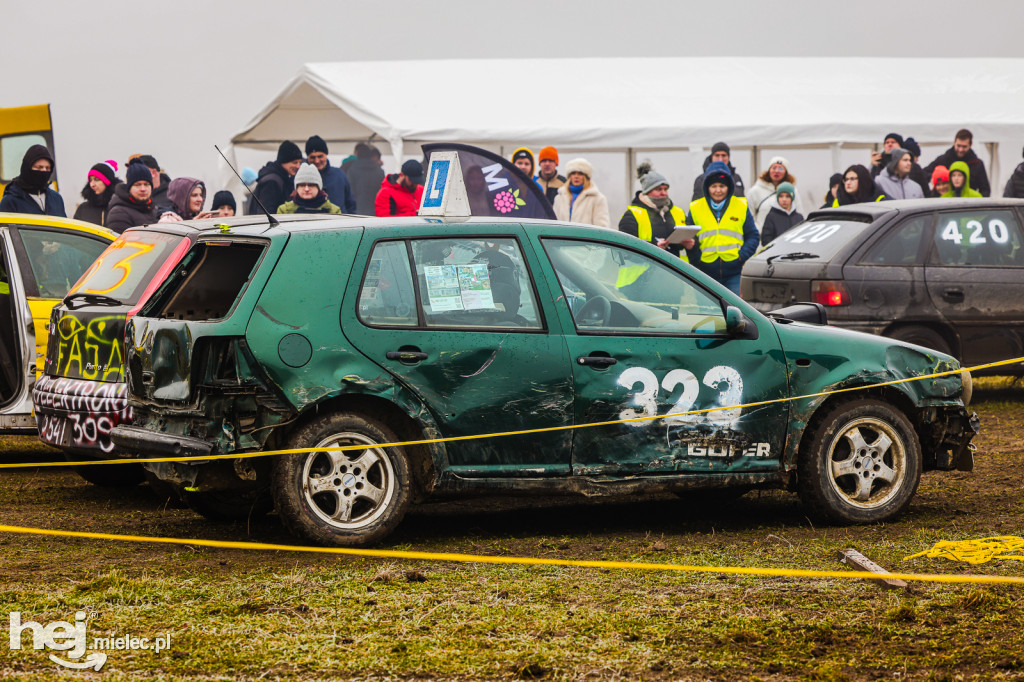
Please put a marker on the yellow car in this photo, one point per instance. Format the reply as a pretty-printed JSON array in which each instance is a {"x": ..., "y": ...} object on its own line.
[{"x": 41, "y": 258}]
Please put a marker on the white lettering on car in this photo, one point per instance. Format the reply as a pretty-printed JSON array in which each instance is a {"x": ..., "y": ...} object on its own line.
[
  {"x": 727, "y": 450},
  {"x": 812, "y": 233},
  {"x": 997, "y": 231},
  {"x": 725, "y": 380}
]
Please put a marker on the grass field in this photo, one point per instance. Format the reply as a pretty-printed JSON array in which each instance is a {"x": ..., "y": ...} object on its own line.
[{"x": 234, "y": 614}]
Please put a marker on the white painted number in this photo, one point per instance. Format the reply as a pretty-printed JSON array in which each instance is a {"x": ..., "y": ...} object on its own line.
[
  {"x": 813, "y": 233},
  {"x": 997, "y": 231},
  {"x": 725, "y": 380}
]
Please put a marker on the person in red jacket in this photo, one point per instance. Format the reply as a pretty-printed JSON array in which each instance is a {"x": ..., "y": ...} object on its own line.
[{"x": 400, "y": 193}]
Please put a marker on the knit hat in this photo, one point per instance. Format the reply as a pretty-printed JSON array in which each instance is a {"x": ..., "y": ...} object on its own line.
[
  {"x": 940, "y": 174},
  {"x": 548, "y": 154},
  {"x": 308, "y": 175},
  {"x": 523, "y": 153},
  {"x": 249, "y": 175},
  {"x": 894, "y": 136},
  {"x": 786, "y": 188},
  {"x": 315, "y": 144},
  {"x": 781, "y": 160},
  {"x": 579, "y": 166},
  {"x": 223, "y": 198},
  {"x": 288, "y": 152},
  {"x": 104, "y": 170},
  {"x": 652, "y": 180},
  {"x": 137, "y": 172},
  {"x": 836, "y": 179},
  {"x": 911, "y": 145},
  {"x": 720, "y": 147},
  {"x": 148, "y": 160}
]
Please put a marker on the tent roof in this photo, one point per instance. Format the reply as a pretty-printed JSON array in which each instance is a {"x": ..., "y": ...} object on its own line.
[{"x": 618, "y": 103}]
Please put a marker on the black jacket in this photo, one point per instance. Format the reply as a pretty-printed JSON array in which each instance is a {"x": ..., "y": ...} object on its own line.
[
  {"x": 698, "y": 184},
  {"x": 17, "y": 200},
  {"x": 273, "y": 187},
  {"x": 661, "y": 226},
  {"x": 979, "y": 178},
  {"x": 94, "y": 208},
  {"x": 1015, "y": 185},
  {"x": 364, "y": 177},
  {"x": 123, "y": 212},
  {"x": 778, "y": 221}
]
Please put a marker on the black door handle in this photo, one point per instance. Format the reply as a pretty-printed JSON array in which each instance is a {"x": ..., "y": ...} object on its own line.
[
  {"x": 406, "y": 355},
  {"x": 953, "y": 295},
  {"x": 596, "y": 360}
]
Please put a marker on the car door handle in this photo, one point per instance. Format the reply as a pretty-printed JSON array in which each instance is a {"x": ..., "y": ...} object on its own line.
[
  {"x": 953, "y": 295},
  {"x": 406, "y": 355},
  {"x": 596, "y": 360}
]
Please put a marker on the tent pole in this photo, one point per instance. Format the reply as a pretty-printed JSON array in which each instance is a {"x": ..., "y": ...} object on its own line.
[
  {"x": 993, "y": 173},
  {"x": 753, "y": 164},
  {"x": 837, "y": 159},
  {"x": 630, "y": 173}
]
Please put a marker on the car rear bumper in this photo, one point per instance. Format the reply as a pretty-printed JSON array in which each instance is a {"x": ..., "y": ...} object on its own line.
[
  {"x": 77, "y": 415},
  {"x": 145, "y": 443}
]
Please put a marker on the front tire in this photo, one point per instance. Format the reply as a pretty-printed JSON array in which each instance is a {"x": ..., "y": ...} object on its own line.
[
  {"x": 862, "y": 465},
  {"x": 344, "y": 498}
]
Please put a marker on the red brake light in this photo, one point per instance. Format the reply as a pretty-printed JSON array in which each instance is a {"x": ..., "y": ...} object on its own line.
[{"x": 829, "y": 292}]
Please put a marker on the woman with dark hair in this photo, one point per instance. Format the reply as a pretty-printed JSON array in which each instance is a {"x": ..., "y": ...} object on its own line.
[
  {"x": 857, "y": 187},
  {"x": 187, "y": 197},
  {"x": 98, "y": 191},
  {"x": 30, "y": 192}
]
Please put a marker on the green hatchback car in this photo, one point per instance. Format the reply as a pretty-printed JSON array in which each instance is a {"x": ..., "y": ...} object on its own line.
[{"x": 602, "y": 364}]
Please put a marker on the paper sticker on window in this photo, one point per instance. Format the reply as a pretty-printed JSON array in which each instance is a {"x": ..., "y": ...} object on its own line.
[{"x": 458, "y": 287}]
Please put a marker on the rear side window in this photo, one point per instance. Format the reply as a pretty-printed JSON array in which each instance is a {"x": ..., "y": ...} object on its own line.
[
  {"x": 207, "y": 282},
  {"x": 58, "y": 259},
  {"x": 387, "y": 297},
  {"x": 901, "y": 245},
  {"x": 979, "y": 238},
  {"x": 128, "y": 265}
]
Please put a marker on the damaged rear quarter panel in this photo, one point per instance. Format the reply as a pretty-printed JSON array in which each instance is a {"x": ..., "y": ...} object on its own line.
[{"x": 824, "y": 359}]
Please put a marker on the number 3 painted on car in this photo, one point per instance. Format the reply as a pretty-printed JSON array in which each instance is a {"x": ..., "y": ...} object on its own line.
[{"x": 647, "y": 397}]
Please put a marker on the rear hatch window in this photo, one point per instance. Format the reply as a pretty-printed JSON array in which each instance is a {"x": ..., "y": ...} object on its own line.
[
  {"x": 208, "y": 281},
  {"x": 87, "y": 330},
  {"x": 816, "y": 239}
]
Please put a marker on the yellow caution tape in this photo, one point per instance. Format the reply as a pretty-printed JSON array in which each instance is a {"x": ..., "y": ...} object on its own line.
[
  {"x": 978, "y": 551},
  {"x": 528, "y": 561},
  {"x": 479, "y": 436}
]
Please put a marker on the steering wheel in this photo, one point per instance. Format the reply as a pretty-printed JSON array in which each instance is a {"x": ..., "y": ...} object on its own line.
[{"x": 596, "y": 312}]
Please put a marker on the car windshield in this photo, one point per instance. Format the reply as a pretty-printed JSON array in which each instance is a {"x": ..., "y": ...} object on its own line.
[
  {"x": 818, "y": 239},
  {"x": 127, "y": 266}
]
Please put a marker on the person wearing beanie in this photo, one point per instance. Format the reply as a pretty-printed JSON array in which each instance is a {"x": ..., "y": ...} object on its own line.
[
  {"x": 917, "y": 173},
  {"x": 895, "y": 180},
  {"x": 940, "y": 182},
  {"x": 760, "y": 195},
  {"x": 961, "y": 151},
  {"x": 98, "y": 191},
  {"x": 132, "y": 204},
  {"x": 579, "y": 200},
  {"x": 274, "y": 182},
  {"x": 161, "y": 181},
  {"x": 223, "y": 204},
  {"x": 858, "y": 187},
  {"x": 365, "y": 176},
  {"x": 1015, "y": 185},
  {"x": 187, "y": 197},
  {"x": 879, "y": 160},
  {"x": 960, "y": 182},
  {"x": 719, "y": 152},
  {"x": 834, "y": 183},
  {"x": 401, "y": 193},
  {"x": 309, "y": 195},
  {"x": 781, "y": 214},
  {"x": 548, "y": 178},
  {"x": 522, "y": 158},
  {"x": 30, "y": 191},
  {"x": 728, "y": 236},
  {"x": 335, "y": 182},
  {"x": 651, "y": 215}
]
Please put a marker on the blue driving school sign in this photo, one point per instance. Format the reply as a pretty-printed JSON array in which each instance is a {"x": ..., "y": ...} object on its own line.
[{"x": 437, "y": 180}]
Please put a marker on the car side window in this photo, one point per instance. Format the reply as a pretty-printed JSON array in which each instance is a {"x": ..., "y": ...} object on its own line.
[
  {"x": 980, "y": 237},
  {"x": 613, "y": 289},
  {"x": 475, "y": 283},
  {"x": 58, "y": 259},
  {"x": 387, "y": 297},
  {"x": 902, "y": 244}
]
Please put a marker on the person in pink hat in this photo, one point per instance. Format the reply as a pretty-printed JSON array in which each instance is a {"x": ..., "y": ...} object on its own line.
[{"x": 98, "y": 191}]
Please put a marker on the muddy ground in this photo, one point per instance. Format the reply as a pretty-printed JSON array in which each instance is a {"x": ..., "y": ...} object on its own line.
[{"x": 766, "y": 529}]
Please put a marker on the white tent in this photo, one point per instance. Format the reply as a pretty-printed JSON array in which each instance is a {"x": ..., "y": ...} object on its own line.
[{"x": 639, "y": 106}]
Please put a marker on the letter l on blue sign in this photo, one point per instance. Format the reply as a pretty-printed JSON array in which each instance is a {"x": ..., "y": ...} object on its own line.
[{"x": 437, "y": 182}]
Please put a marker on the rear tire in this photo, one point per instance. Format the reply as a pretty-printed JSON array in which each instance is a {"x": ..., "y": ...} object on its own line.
[
  {"x": 922, "y": 336},
  {"x": 230, "y": 505},
  {"x": 862, "y": 464},
  {"x": 346, "y": 498},
  {"x": 108, "y": 475}
]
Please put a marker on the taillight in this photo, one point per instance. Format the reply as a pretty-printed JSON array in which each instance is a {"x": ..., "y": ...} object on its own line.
[{"x": 829, "y": 292}]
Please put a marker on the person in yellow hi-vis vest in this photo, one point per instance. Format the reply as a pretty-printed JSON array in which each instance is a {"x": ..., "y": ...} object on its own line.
[
  {"x": 651, "y": 215},
  {"x": 728, "y": 236}
]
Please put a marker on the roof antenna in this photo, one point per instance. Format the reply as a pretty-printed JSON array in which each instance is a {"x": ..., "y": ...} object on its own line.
[{"x": 270, "y": 216}]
